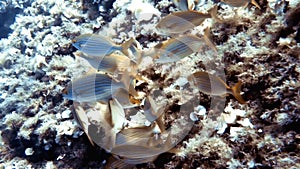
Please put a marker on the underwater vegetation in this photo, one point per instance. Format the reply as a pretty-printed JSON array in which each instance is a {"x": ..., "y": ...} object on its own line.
[{"x": 150, "y": 84}]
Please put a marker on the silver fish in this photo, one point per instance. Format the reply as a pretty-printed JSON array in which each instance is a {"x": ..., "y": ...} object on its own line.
[
  {"x": 213, "y": 85},
  {"x": 179, "y": 22},
  {"x": 239, "y": 3},
  {"x": 97, "y": 45},
  {"x": 92, "y": 87},
  {"x": 137, "y": 135},
  {"x": 110, "y": 63},
  {"x": 175, "y": 49},
  {"x": 135, "y": 151}
]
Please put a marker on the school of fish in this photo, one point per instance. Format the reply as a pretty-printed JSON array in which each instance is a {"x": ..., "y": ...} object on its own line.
[{"x": 112, "y": 84}]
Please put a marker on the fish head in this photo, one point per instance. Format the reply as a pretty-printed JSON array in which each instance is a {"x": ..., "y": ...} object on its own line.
[{"x": 77, "y": 44}]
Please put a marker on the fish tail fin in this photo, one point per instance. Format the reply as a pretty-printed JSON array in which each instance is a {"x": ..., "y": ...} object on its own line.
[
  {"x": 213, "y": 12},
  {"x": 126, "y": 45},
  {"x": 129, "y": 83},
  {"x": 255, "y": 3},
  {"x": 236, "y": 90},
  {"x": 132, "y": 90}
]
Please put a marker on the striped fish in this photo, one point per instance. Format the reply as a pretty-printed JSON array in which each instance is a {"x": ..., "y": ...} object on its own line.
[
  {"x": 175, "y": 49},
  {"x": 110, "y": 63},
  {"x": 92, "y": 87},
  {"x": 240, "y": 3},
  {"x": 97, "y": 45},
  {"x": 179, "y": 22},
  {"x": 213, "y": 85}
]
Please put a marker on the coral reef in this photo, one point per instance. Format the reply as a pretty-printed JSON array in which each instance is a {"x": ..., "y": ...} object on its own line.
[{"x": 259, "y": 47}]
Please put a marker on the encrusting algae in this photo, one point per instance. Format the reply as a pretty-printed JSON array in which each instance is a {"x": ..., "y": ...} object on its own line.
[
  {"x": 112, "y": 88},
  {"x": 156, "y": 85}
]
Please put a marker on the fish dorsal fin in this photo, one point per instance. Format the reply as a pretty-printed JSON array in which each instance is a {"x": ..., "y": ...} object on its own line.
[
  {"x": 255, "y": 3},
  {"x": 208, "y": 39}
]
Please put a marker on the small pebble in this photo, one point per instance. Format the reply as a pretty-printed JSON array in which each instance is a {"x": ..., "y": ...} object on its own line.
[
  {"x": 47, "y": 147},
  {"x": 7, "y": 64},
  {"x": 39, "y": 74},
  {"x": 200, "y": 110},
  {"x": 29, "y": 151},
  {"x": 45, "y": 79},
  {"x": 66, "y": 114},
  {"x": 193, "y": 116}
]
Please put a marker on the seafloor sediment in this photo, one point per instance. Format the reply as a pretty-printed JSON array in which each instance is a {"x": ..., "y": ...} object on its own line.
[{"x": 259, "y": 47}]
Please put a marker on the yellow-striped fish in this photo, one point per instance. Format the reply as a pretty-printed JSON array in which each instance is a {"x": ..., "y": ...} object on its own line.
[
  {"x": 97, "y": 45},
  {"x": 179, "y": 22},
  {"x": 111, "y": 63},
  {"x": 213, "y": 85},
  {"x": 135, "y": 135},
  {"x": 135, "y": 151},
  {"x": 175, "y": 49},
  {"x": 92, "y": 87}
]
